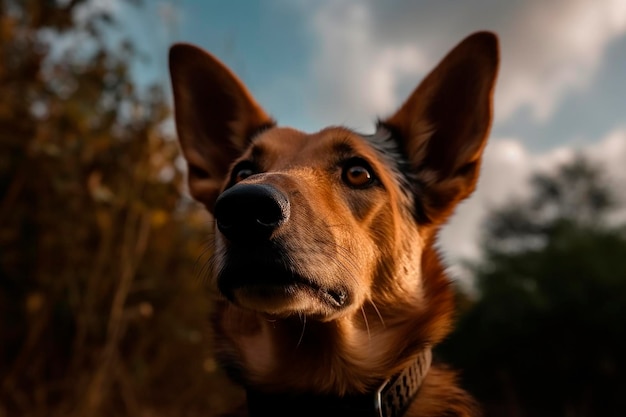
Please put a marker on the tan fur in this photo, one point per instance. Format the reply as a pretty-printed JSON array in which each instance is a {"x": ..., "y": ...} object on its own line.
[{"x": 376, "y": 242}]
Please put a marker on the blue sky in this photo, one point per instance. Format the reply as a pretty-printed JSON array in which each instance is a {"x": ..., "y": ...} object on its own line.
[{"x": 562, "y": 86}]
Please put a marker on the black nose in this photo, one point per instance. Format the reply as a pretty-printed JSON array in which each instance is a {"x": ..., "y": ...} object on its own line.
[{"x": 250, "y": 212}]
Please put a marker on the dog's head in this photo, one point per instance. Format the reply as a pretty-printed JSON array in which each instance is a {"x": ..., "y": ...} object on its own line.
[{"x": 319, "y": 224}]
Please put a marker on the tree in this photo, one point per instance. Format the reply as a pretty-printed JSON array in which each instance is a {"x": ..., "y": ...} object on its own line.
[
  {"x": 547, "y": 334},
  {"x": 100, "y": 313}
]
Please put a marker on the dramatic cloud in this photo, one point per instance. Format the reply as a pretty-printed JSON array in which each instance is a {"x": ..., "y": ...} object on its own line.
[
  {"x": 356, "y": 78},
  {"x": 366, "y": 49},
  {"x": 555, "y": 47}
]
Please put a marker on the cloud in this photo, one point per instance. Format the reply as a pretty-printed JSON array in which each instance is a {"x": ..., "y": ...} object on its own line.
[
  {"x": 355, "y": 77},
  {"x": 365, "y": 50},
  {"x": 552, "y": 48},
  {"x": 506, "y": 169}
]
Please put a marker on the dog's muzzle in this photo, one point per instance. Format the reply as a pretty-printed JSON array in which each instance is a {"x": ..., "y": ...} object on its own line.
[
  {"x": 251, "y": 212},
  {"x": 261, "y": 264}
]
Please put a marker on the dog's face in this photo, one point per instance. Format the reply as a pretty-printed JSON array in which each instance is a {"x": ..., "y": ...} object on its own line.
[
  {"x": 300, "y": 222},
  {"x": 319, "y": 224}
]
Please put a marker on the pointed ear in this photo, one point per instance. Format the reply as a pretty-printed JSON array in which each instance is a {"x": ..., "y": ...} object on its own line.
[
  {"x": 444, "y": 124},
  {"x": 215, "y": 118}
]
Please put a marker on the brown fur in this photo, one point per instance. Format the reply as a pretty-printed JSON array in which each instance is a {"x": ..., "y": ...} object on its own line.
[{"x": 376, "y": 243}]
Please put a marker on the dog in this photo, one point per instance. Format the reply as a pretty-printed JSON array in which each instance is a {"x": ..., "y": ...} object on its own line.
[{"x": 331, "y": 294}]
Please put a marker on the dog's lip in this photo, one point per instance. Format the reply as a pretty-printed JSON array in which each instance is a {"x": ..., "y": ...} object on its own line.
[
  {"x": 277, "y": 281},
  {"x": 336, "y": 296},
  {"x": 332, "y": 296}
]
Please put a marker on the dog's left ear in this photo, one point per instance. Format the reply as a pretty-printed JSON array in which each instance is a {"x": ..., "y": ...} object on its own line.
[
  {"x": 216, "y": 117},
  {"x": 444, "y": 124}
]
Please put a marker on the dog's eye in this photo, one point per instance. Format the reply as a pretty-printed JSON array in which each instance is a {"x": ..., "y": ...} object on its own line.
[
  {"x": 242, "y": 171},
  {"x": 242, "y": 174},
  {"x": 357, "y": 173}
]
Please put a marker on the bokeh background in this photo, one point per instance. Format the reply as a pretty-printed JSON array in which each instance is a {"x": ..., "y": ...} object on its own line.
[{"x": 102, "y": 307}]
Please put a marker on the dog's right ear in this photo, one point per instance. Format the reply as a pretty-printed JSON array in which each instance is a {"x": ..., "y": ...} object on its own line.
[{"x": 215, "y": 118}]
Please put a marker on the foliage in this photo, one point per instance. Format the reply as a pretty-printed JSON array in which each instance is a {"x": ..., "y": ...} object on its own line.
[
  {"x": 546, "y": 336},
  {"x": 100, "y": 313}
]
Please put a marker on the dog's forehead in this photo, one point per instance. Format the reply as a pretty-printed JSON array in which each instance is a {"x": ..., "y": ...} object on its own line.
[{"x": 324, "y": 144}]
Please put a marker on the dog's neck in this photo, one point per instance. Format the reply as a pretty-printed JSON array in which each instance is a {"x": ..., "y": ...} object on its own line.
[
  {"x": 346, "y": 356},
  {"x": 391, "y": 398}
]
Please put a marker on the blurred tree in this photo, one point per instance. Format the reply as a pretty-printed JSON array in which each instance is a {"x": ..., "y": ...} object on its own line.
[
  {"x": 547, "y": 335},
  {"x": 99, "y": 311}
]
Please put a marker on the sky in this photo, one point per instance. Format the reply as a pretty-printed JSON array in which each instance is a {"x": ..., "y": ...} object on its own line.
[{"x": 561, "y": 88}]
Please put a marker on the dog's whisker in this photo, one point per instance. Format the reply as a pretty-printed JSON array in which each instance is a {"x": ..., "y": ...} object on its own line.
[
  {"x": 367, "y": 326},
  {"x": 303, "y": 319},
  {"x": 204, "y": 263},
  {"x": 378, "y": 313}
]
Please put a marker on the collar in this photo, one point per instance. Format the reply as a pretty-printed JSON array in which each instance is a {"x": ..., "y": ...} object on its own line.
[{"x": 391, "y": 399}]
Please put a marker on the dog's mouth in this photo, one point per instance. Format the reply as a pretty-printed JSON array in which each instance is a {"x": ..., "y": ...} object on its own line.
[{"x": 276, "y": 289}]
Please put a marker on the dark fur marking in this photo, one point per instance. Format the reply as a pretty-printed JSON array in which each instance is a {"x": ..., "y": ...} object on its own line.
[{"x": 386, "y": 142}]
